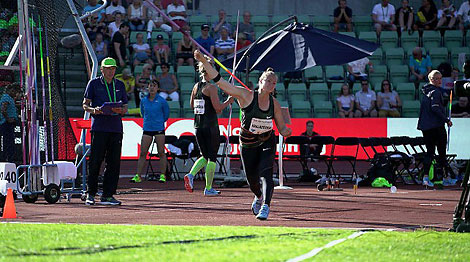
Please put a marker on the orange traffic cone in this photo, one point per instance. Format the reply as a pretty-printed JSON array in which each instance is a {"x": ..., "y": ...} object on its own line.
[{"x": 9, "y": 210}]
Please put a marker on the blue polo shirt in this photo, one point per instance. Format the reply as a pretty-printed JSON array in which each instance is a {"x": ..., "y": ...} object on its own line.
[
  {"x": 11, "y": 109},
  {"x": 97, "y": 92},
  {"x": 206, "y": 43},
  {"x": 155, "y": 113}
]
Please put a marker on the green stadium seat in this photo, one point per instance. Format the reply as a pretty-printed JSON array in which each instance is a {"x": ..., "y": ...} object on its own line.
[
  {"x": 351, "y": 34},
  {"x": 453, "y": 38},
  {"x": 188, "y": 112},
  {"x": 323, "y": 109},
  {"x": 439, "y": 55},
  {"x": 394, "y": 56},
  {"x": 301, "y": 109},
  {"x": 186, "y": 88},
  {"x": 280, "y": 91},
  {"x": 362, "y": 23},
  {"x": 318, "y": 91},
  {"x": 297, "y": 92},
  {"x": 175, "y": 38},
  {"x": 410, "y": 108},
  {"x": 259, "y": 31},
  {"x": 323, "y": 22},
  {"x": 388, "y": 39},
  {"x": 304, "y": 19},
  {"x": 406, "y": 91},
  {"x": 175, "y": 109},
  {"x": 198, "y": 20},
  {"x": 410, "y": 41},
  {"x": 431, "y": 39},
  {"x": 380, "y": 73},
  {"x": 377, "y": 57},
  {"x": 186, "y": 74},
  {"x": 454, "y": 56},
  {"x": 334, "y": 91},
  {"x": 260, "y": 21},
  {"x": 278, "y": 18},
  {"x": 334, "y": 73},
  {"x": 314, "y": 74},
  {"x": 368, "y": 36},
  {"x": 399, "y": 74}
]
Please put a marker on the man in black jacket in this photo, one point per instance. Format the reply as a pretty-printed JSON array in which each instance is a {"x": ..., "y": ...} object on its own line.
[{"x": 432, "y": 120}]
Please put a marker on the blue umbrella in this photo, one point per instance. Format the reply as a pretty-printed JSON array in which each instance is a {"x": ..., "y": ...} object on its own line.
[{"x": 299, "y": 46}]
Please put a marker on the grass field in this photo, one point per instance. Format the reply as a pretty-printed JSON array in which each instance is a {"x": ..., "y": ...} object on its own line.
[{"x": 71, "y": 242}]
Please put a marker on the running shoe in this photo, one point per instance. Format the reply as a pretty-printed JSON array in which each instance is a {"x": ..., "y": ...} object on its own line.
[
  {"x": 188, "y": 182},
  {"x": 263, "y": 213},
  {"x": 256, "y": 205},
  {"x": 90, "y": 200},
  {"x": 136, "y": 179},
  {"x": 110, "y": 201},
  {"x": 321, "y": 180},
  {"x": 162, "y": 178},
  {"x": 211, "y": 192},
  {"x": 427, "y": 182},
  {"x": 448, "y": 181}
]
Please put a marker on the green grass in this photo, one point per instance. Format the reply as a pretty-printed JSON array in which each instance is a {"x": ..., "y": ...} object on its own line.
[{"x": 66, "y": 242}]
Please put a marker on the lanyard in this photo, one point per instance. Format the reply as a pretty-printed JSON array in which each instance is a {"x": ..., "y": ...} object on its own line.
[
  {"x": 384, "y": 14},
  {"x": 107, "y": 89}
]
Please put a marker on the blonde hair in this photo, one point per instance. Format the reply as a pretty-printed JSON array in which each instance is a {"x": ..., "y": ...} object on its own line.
[
  {"x": 269, "y": 72},
  {"x": 432, "y": 74}
]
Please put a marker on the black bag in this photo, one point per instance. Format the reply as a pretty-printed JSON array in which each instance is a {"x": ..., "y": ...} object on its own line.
[{"x": 380, "y": 167}]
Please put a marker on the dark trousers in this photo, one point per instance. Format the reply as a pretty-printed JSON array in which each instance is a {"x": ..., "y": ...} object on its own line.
[
  {"x": 208, "y": 140},
  {"x": 258, "y": 163},
  {"x": 105, "y": 146},
  {"x": 7, "y": 142},
  {"x": 435, "y": 138}
]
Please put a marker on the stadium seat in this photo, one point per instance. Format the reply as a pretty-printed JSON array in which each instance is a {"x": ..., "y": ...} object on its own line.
[
  {"x": 283, "y": 103},
  {"x": 301, "y": 109},
  {"x": 388, "y": 39},
  {"x": 394, "y": 56},
  {"x": 406, "y": 91},
  {"x": 454, "y": 56},
  {"x": 186, "y": 74},
  {"x": 439, "y": 55},
  {"x": 197, "y": 20},
  {"x": 431, "y": 39},
  {"x": 280, "y": 91},
  {"x": 188, "y": 112},
  {"x": 409, "y": 41},
  {"x": 362, "y": 23},
  {"x": 186, "y": 88},
  {"x": 379, "y": 74},
  {"x": 368, "y": 36},
  {"x": 278, "y": 18},
  {"x": 323, "y": 109},
  {"x": 304, "y": 19},
  {"x": 259, "y": 31},
  {"x": 453, "y": 38},
  {"x": 314, "y": 74},
  {"x": 174, "y": 109},
  {"x": 260, "y": 21},
  {"x": 297, "y": 92},
  {"x": 399, "y": 74},
  {"x": 410, "y": 108},
  {"x": 334, "y": 73},
  {"x": 351, "y": 34},
  {"x": 334, "y": 91},
  {"x": 377, "y": 57},
  {"x": 323, "y": 22},
  {"x": 175, "y": 38},
  {"x": 318, "y": 91}
]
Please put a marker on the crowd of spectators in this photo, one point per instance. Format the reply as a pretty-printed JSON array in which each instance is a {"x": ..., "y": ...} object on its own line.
[{"x": 8, "y": 35}]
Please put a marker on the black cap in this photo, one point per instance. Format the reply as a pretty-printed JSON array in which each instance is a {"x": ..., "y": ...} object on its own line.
[
  {"x": 205, "y": 26},
  {"x": 159, "y": 37}
]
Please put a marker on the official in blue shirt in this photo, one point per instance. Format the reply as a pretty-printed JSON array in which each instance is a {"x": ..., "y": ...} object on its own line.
[
  {"x": 8, "y": 118},
  {"x": 205, "y": 40},
  {"x": 106, "y": 131},
  {"x": 155, "y": 111}
]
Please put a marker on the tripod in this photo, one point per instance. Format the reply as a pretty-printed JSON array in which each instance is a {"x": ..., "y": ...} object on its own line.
[{"x": 463, "y": 207}]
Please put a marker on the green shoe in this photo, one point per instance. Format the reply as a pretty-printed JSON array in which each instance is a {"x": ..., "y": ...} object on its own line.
[
  {"x": 162, "y": 178},
  {"x": 136, "y": 179}
]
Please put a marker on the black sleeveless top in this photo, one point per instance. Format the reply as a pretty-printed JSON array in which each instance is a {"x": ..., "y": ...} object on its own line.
[
  {"x": 204, "y": 112},
  {"x": 256, "y": 125}
]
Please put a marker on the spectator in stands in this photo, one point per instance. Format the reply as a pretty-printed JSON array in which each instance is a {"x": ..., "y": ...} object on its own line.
[
  {"x": 342, "y": 17},
  {"x": 177, "y": 13},
  {"x": 100, "y": 47},
  {"x": 404, "y": 17},
  {"x": 466, "y": 70},
  {"x": 447, "y": 15},
  {"x": 427, "y": 16},
  {"x": 165, "y": 3},
  {"x": 205, "y": 40},
  {"x": 242, "y": 41},
  {"x": 461, "y": 109},
  {"x": 247, "y": 27},
  {"x": 388, "y": 101},
  {"x": 137, "y": 14},
  {"x": 419, "y": 66},
  {"x": 119, "y": 45},
  {"x": 224, "y": 45},
  {"x": 93, "y": 27},
  {"x": 141, "y": 82},
  {"x": 129, "y": 82},
  {"x": 365, "y": 101},
  {"x": 464, "y": 17},
  {"x": 383, "y": 16},
  {"x": 345, "y": 102},
  {"x": 8, "y": 118},
  {"x": 112, "y": 9},
  {"x": 156, "y": 19},
  {"x": 357, "y": 70},
  {"x": 142, "y": 52},
  {"x": 310, "y": 149},
  {"x": 168, "y": 84},
  {"x": 161, "y": 50},
  {"x": 184, "y": 51},
  {"x": 113, "y": 27},
  {"x": 221, "y": 23},
  {"x": 92, "y": 5}
]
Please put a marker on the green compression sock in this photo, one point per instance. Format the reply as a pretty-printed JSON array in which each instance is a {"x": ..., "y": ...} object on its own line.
[
  {"x": 198, "y": 165},
  {"x": 210, "y": 170}
]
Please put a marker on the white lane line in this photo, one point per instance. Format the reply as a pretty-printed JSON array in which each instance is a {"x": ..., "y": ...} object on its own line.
[{"x": 319, "y": 249}]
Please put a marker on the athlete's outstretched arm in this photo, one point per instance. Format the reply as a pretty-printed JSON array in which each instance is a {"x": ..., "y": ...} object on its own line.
[
  {"x": 279, "y": 120},
  {"x": 215, "y": 100}
]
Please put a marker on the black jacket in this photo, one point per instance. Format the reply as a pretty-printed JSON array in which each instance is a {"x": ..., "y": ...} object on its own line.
[{"x": 432, "y": 113}]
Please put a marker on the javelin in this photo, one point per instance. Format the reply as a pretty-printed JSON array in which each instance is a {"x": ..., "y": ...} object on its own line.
[
  {"x": 450, "y": 117},
  {"x": 51, "y": 129},
  {"x": 43, "y": 90},
  {"x": 22, "y": 99},
  {"x": 194, "y": 41}
]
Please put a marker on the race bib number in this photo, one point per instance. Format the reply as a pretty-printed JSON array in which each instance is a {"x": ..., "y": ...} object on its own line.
[
  {"x": 199, "y": 106},
  {"x": 259, "y": 126}
]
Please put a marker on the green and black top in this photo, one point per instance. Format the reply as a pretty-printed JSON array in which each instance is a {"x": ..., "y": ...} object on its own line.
[
  {"x": 204, "y": 112},
  {"x": 257, "y": 124}
]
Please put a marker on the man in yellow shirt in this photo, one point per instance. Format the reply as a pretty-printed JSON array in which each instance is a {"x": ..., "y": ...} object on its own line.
[{"x": 129, "y": 81}]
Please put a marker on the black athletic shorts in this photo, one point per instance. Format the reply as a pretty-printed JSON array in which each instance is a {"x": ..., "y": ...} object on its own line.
[{"x": 154, "y": 133}]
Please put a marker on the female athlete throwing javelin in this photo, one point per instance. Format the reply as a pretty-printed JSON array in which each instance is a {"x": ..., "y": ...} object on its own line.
[
  {"x": 206, "y": 105},
  {"x": 257, "y": 150}
]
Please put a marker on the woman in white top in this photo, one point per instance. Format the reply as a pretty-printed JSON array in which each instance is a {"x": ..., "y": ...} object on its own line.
[
  {"x": 137, "y": 14},
  {"x": 447, "y": 14},
  {"x": 388, "y": 101},
  {"x": 114, "y": 26},
  {"x": 345, "y": 102},
  {"x": 142, "y": 52},
  {"x": 156, "y": 20}
]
